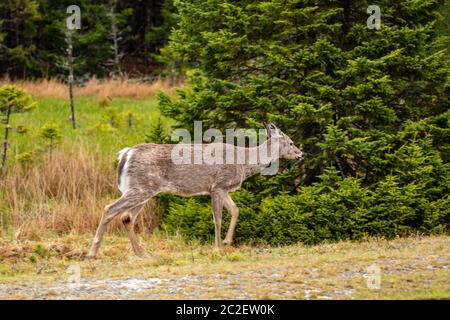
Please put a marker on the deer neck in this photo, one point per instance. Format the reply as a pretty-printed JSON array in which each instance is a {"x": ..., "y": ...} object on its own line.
[{"x": 265, "y": 156}]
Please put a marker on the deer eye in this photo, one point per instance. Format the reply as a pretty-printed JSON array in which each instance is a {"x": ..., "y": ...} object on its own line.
[{"x": 291, "y": 143}]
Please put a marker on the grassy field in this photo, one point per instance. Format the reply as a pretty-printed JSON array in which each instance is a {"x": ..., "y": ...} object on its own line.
[
  {"x": 95, "y": 131},
  {"x": 50, "y": 208},
  {"x": 67, "y": 192},
  {"x": 411, "y": 268}
]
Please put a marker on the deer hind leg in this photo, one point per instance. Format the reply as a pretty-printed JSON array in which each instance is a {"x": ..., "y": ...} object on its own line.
[
  {"x": 127, "y": 202},
  {"x": 129, "y": 220},
  {"x": 234, "y": 211},
  {"x": 217, "y": 206}
]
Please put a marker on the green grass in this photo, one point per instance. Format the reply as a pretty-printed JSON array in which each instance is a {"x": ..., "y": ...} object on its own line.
[
  {"x": 92, "y": 148},
  {"x": 411, "y": 268},
  {"x": 93, "y": 125}
]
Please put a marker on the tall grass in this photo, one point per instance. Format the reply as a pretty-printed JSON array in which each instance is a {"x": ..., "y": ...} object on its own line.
[
  {"x": 64, "y": 194},
  {"x": 67, "y": 193},
  {"x": 103, "y": 89}
]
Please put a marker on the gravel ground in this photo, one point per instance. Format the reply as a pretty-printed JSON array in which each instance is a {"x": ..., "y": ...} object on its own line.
[
  {"x": 188, "y": 287},
  {"x": 237, "y": 285},
  {"x": 416, "y": 267}
]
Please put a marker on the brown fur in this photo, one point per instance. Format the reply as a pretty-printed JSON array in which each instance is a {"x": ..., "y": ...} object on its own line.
[{"x": 150, "y": 170}]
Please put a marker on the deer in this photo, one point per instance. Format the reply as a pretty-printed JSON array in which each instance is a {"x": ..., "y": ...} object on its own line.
[{"x": 146, "y": 170}]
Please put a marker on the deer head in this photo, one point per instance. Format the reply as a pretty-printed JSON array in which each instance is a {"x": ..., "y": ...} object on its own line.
[{"x": 287, "y": 148}]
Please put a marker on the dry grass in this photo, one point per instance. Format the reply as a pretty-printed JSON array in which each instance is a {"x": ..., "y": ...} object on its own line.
[
  {"x": 103, "y": 89},
  {"x": 411, "y": 268},
  {"x": 49, "y": 211},
  {"x": 53, "y": 208},
  {"x": 65, "y": 194}
]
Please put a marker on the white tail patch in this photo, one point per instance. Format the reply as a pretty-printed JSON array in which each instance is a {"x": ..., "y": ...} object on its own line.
[
  {"x": 124, "y": 179},
  {"x": 121, "y": 153}
]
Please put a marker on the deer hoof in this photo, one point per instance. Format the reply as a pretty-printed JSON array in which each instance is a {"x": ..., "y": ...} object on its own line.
[
  {"x": 141, "y": 254},
  {"x": 227, "y": 243}
]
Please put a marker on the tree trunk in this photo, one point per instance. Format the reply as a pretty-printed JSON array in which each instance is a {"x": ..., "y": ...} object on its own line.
[
  {"x": 71, "y": 77},
  {"x": 5, "y": 142},
  {"x": 115, "y": 34},
  {"x": 72, "y": 105}
]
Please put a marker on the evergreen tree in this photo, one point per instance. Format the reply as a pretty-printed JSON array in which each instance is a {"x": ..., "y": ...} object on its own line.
[
  {"x": 17, "y": 36},
  {"x": 51, "y": 132},
  {"x": 12, "y": 100},
  {"x": 368, "y": 106},
  {"x": 118, "y": 28},
  {"x": 32, "y": 37},
  {"x": 316, "y": 69},
  {"x": 158, "y": 133}
]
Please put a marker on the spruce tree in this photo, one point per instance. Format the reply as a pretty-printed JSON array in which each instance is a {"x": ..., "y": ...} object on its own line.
[
  {"x": 314, "y": 68},
  {"x": 158, "y": 133},
  {"x": 51, "y": 133},
  {"x": 369, "y": 106},
  {"x": 12, "y": 100}
]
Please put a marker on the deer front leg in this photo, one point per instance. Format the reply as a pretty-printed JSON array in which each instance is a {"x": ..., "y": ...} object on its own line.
[
  {"x": 217, "y": 206},
  {"x": 234, "y": 211}
]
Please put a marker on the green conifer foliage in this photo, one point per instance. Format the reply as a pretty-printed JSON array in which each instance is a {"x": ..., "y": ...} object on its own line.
[
  {"x": 12, "y": 100},
  {"x": 370, "y": 108}
]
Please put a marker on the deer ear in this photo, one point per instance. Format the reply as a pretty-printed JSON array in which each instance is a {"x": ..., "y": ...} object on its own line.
[
  {"x": 272, "y": 130},
  {"x": 266, "y": 125}
]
